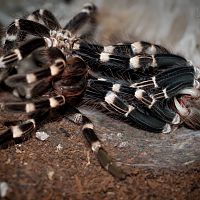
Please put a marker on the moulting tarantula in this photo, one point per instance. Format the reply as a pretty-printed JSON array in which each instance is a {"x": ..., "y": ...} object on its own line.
[{"x": 138, "y": 82}]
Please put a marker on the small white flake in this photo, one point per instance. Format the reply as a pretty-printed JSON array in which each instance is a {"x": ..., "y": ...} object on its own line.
[
  {"x": 123, "y": 144},
  {"x": 50, "y": 174},
  {"x": 18, "y": 151},
  {"x": 41, "y": 135},
  {"x": 59, "y": 147},
  {"x": 3, "y": 189},
  {"x": 120, "y": 135}
]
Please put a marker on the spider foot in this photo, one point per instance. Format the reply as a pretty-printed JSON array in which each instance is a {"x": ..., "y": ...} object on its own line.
[{"x": 107, "y": 163}]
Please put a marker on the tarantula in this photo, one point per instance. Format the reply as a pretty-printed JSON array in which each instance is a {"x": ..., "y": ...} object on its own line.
[{"x": 139, "y": 82}]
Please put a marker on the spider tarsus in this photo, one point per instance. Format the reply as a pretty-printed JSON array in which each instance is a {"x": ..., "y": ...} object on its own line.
[{"x": 107, "y": 163}]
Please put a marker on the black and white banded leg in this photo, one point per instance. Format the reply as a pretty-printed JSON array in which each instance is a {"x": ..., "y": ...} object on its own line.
[
  {"x": 133, "y": 95},
  {"x": 27, "y": 27},
  {"x": 135, "y": 48},
  {"x": 88, "y": 131},
  {"x": 23, "y": 51},
  {"x": 53, "y": 65},
  {"x": 138, "y": 116},
  {"x": 15, "y": 132},
  {"x": 127, "y": 48},
  {"x": 101, "y": 58},
  {"x": 167, "y": 83},
  {"x": 36, "y": 23},
  {"x": 46, "y": 18},
  {"x": 87, "y": 16}
]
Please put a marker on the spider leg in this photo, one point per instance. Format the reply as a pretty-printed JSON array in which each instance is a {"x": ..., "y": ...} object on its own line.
[
  {"x": 23, "y": 51},
  {"x": 46, "y": 64},
  {"x": 53, "y": 70},
  {"x": 34, "y": 106},
  {"x": 113, "y": 102},
  {"x": 161, "y": 108},
  {"x": 136, "y": 48},
  {"x": 27, "y": 27},
  {"x": 162, "y": 86},
  {"x": 129, "y": 49},
  {"x": 29, "y": 91},
  {"x": 146, "y": 121},
  {"x": 164, "y": 110},
  {"x": 85, "y": 16},
  {"x": 169, "y": 78},
  {"x": 100, "y": 59},
  {"x": 50, "y": 69},
  {"x": 17, "y": 131},
  {"x": 71, "y": 82},
  {"x": 88, "y": 131},
  {"x": 46, "y": 18}
]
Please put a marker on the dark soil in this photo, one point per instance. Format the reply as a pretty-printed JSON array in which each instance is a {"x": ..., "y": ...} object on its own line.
[{"x": 37, "y": 170}]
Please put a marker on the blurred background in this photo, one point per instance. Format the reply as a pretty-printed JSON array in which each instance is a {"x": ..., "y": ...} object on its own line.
[{"x": 173, "y": 23}]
